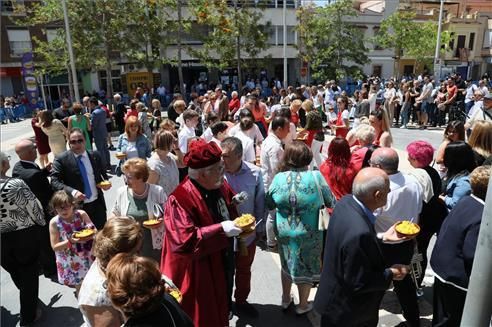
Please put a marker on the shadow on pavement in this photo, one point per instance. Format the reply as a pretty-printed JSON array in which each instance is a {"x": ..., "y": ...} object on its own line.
[
  {"x": 270, "y": 315},
  {"x": 8, "y": 319}
]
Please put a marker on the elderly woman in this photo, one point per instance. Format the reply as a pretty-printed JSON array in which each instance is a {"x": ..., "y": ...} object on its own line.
[
  {"x": 156, "y": 114},
  {"x": 454, "y": 252},
  {"x": 362, "y": 152},
  {"x": 459, "y": 161},
  {"x": 137, "y": 290},
  {"x": 142, "y": 201},
  {"x": 420, "y": 155},
  {"x": 163, "y": 163},
  {"x": 133, "y": 143},
  {"x": 21, "y": 213},
  {"x": 380, "y": 121},
  {"x": 234, "y": 104},
  {"x": 298, "y": 194},
  {"x": 119, "y": 235}
]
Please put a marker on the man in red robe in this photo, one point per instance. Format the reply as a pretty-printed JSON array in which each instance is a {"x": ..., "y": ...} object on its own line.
[{"x": 197, "y": 252}]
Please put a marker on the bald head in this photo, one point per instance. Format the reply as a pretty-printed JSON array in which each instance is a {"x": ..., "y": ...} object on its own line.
[
  {"x": 371, "y": 187},
  {"x": 386, "y": 159},
  {"x": 26, "y": 150}
]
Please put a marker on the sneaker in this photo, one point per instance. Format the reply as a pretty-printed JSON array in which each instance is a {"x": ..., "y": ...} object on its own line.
[
  {"x": 308, "y": 308},
  {"x": 403, "y": 126},
  {"x": 286, "y": 305}
]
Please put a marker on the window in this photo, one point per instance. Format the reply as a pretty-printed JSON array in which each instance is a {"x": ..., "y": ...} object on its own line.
[
  {"x": 115, "y": 77},
  {"x": 272, "y": 35},
  {"x": 291, "y": 35},
  {"x": 487, "y": 37},
  {"x": 51, "y": 34},
  {"x": 471, "y": 41},
  {"x": 19, "y": 42},
  {"x": 460, "y": 45},
  {"x": 376, "y": 29},
  {"x": 12, "y": 7}
]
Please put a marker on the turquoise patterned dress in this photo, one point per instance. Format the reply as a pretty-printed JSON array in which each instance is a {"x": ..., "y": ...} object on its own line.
[{"x": 296, "y": 197}]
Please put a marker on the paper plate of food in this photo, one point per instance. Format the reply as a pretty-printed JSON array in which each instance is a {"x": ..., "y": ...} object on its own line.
[
  {"x": 120, "y": 155},
  {"x": 83, "y": 234},
  {"x": 104, "y": 184},
  {"x": 407, "y": 228},
  {"x": 152, "y": 222},
  {"x": 245, "y": 221}
]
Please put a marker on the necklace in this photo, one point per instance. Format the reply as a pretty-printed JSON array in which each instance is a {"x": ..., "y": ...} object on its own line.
[{"x": 142, "y": 195}]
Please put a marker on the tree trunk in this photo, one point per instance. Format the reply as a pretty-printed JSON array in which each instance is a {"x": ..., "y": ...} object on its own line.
[
  {"x": 109, "y": 79},
  {"x": 238, "y": 49},
  {"x": 180, "y": 64}
]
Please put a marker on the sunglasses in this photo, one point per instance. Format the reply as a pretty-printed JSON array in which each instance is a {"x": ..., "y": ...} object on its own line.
[{"x": 79, "y": 141}]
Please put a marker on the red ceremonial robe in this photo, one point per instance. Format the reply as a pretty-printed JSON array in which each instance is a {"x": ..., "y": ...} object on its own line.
[{"x": 192, "y": 254}]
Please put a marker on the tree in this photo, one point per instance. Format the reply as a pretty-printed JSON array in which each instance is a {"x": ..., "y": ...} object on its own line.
[
  {"x": 236, "y": 34},
  {"x": 102, "y": 30},
  {"x": 409, "y": 37},
  {"x": 332, "y": 45}
]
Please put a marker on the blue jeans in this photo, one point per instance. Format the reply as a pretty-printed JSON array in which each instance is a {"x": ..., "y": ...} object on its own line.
[
  {"x": 405, "y": 113},
  {"x": 2, "y": 115}
]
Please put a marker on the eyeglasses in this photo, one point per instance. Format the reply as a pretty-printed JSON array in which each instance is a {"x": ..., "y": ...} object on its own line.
[{"x": 79, "y": 141}]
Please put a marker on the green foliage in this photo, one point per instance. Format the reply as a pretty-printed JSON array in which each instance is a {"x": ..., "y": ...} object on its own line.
[
  {"x": 100, "y": 30},
  {"x": 332, "y": 46},
  {"x": 225, "y": 29},
  {"x": 409, "y": 37}
]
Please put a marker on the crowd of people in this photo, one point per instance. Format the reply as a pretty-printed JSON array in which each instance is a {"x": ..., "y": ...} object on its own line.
[{"x": 168, "y": 250}]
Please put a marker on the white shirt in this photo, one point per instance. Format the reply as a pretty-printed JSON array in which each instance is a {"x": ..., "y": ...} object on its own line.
[
  {"x": 427, "y": 91},
  {"x": 184, "y": 135},
  {"x": 470, "y": 90},
  {"x": 372, "y": 101},
  {"x": 131, "y": 150},
  {"x": 216, "y": 141},
  {"x": 478, "y": 105},
  {"x": 208, "y": 135},
  {"x": 479, "y": 114},
  {"x": 90, "y": 176},
  {"x": 389, "y": 93},
  {"x": 271, "y": 154},
  {"x": 484, "y": 90},
  {"x": 404, "y": 202},
  {"x": 180, "y": 121}
]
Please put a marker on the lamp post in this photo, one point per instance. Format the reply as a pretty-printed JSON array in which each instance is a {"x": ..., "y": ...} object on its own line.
[
  {"x": 70, "y": 52},
  {"x": 284, "y": 49},
  {"x": 437, "y": 62}
]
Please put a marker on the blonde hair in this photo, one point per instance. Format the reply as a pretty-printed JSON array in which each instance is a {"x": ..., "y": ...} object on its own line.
[
  {"x": 479, "y": 181},
  {"x": 156, "y": 104},
  {"x": 119, "y": 234},
  {"x": 308, "y": 105},
  {"x": 481, "y": 138},
  {"x": 365, "y": 133},
  {"x": 138, "y": 166}
]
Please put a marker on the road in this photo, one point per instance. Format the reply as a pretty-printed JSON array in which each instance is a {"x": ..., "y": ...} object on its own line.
[{"x": 60, "y": 306}]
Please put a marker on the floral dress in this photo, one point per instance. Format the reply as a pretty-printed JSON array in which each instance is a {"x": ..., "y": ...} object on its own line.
[
  {"x": 73, "y": 263},
  {"x": 297, "y": 199}
]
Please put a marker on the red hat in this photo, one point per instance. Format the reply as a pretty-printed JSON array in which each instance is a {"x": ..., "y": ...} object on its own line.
[{"x": 202, "y": 154}]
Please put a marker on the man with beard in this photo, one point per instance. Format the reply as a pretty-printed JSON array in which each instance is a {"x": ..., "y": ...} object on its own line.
[{"x": 197, "y": 251}]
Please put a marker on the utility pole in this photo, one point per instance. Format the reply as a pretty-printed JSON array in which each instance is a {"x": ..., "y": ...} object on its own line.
[
  {"x": 437, "y": 62},
  {"x": 478, "y": 303},
  {"x": 284, "y": 23},
  {"x": 70, "y": 52},
  {"x": 180, "y": 62}
]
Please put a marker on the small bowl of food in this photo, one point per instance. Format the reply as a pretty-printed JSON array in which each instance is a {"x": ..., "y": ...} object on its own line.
[
  {"x": 120, "y": 155},
  {"x": 245, "y": 221},
  {"x": 84, "y": 234},
  {"x": 104, "y": 184},
  {"x": 152, "y": 222},
  {"x": 407, "y": 228}
]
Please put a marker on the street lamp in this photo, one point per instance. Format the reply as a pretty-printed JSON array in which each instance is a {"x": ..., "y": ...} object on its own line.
[{"x": 70, "y": 52}]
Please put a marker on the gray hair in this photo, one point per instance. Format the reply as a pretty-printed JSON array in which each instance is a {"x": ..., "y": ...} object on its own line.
[
  {"x": 366, "y": 188},
  {"x": 3, "y": 157},
  {"x": 194, "y": 173},
  {"x": 387, "y": 163},
  {"x": 117, "y": 97},
  {"x": 365, "y": 133},
  {"x": 234, "y": 144}
]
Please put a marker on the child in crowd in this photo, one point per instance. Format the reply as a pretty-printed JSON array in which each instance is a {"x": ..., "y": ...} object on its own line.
[
  {"x": 332, "y": 118},
  {"x": 190, "y": 119},
  {"x": 73, "y": 255},
  {"x": 219, "y": 132}
]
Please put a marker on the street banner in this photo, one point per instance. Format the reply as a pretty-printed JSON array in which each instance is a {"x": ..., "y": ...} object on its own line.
[{"x": 30, "y": 82}]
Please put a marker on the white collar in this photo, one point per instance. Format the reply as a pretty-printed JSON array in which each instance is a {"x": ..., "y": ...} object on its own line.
[{"x": 84, "y": 154}]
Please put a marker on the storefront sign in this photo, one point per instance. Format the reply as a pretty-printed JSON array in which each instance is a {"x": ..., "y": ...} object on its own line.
[
  {"x": 138, "y": 79},
  {"x": 30, "y": 82}
]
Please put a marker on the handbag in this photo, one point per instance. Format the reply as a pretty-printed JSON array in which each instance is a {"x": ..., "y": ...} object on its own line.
[{"x": 323, "y": 215}]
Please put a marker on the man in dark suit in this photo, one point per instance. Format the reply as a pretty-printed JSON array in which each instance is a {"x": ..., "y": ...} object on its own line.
[
  {"x": 79, "y": 172},
  {"x": 64, "y": 112},
  {"x": 37, "y": 180},
  {"x": 354, "y": 276}
]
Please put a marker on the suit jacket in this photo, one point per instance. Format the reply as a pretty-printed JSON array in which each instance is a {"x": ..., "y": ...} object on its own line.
[
  {"x": 37, "y": 180},
  {"x": 65, "y": 174},
  {"x": 353, "y": 279}
]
